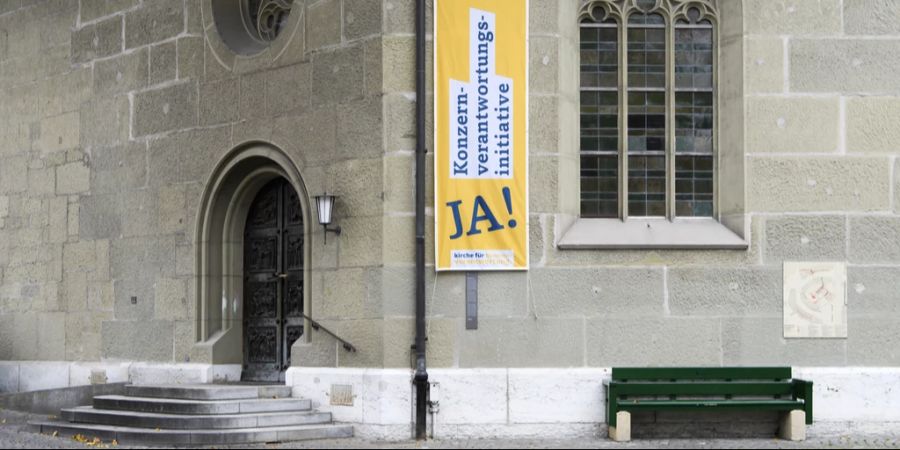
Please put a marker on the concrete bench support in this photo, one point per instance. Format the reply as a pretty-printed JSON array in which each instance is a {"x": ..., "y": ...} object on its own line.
[
  {"x": 793, "y": 426},
  {"x": 622, "y": 431}
]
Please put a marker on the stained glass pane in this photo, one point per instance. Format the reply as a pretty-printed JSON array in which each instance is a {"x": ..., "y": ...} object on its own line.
[
  {"x": 600, "y": 121},
  {"x": 647, "y": 186},
  {"x": 599, "y": 57},
  {"x": 600, "y": 186},
  {"x": 693, "y": 58},
  {"x": 646, "y": 52},
  {"x": 693, "y": 122},
  {"x": 694, "y": 186},
  {"x": 646, "y": 121}
]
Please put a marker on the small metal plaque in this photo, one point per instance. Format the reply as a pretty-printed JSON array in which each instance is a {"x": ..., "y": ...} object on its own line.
[
  {"x": 341, "y": 395},
  {"x": 472, "y": 300}
]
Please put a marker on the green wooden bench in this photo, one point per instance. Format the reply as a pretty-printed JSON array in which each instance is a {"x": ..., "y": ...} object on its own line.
[{"x": 704, "y": 389}]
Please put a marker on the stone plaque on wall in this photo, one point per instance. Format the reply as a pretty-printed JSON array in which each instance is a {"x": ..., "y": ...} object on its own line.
[{"x": 815, "y": 300}]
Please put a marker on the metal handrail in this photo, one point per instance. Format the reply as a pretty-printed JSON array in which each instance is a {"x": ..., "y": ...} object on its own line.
[{"x": 318, "y": 327}]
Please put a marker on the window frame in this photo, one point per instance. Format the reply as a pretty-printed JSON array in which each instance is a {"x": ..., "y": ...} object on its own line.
[{"x": 672, "y": 11}]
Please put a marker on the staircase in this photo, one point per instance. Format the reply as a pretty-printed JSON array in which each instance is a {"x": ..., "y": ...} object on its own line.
[{"x": 197, "y": 415}]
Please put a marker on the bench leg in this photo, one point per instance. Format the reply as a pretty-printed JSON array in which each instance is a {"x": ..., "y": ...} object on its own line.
[
  {"x": 793, "y": 426},
  {"x": 622, "y": 431}
]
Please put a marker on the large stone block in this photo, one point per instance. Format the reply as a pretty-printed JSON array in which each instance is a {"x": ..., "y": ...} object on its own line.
[
  {"x": 313, "y": 133},
  {"x": 544, "y": 124},
  {"x": 374, "y": 66},
  {"x": 795, "y": 17},
  {"x": 896, "y": 178},
  {"x": 323, "y": 24},
  {"x": 597, "y": 292},
  {"x": 51, "y": 336},
  {"x": 543, "y": 171},
  {"x": 18, "y": 335},
  {"x": 171, "y": 299},
  {"x": 105, "y": 121},
  {"x": 544, "y": 64},
  {"x": 154, "y": 22},
  {"x": 142, "y": 340},
  {"x": 751, "y": 341},
  {"x": 217, "y": 103},
  {"x": 873, "y": 342},
  {"x": 872, "y": 17},
  {"x": 163, "y": 65},
  {"x": 503, "y": 294},
  {"x": 653, "y": 342},
  {"x": 805, "y": 238},
  {"x": 872, "y": 125},
  {"x": 39, "y": 376},
  {"x": 73, "y": 178},
  {"x": 187, "y": 156},
  {"x": 874, "y": 240},
  {"x": 399, "y": 334},
  {"x": 99, "y": 217},
  {"x": 854, "y": 66},
  {"x": 348, "y": 293},
  {"x": 399, "y": 196},
  {"x": 118, "y": 169},
  {"x": 124, "y": 73},
  {"x": 359, "y": 129},
  {"x": 166, "y": 109},
  {"x": 764, "y": 63},
  {"x": 400, "y": 74},
  {"x": 819, "y": 184},
  {"x": 729, "y": 292},
  {"x": 94, "y": 9},
  {"x": 59, "y": 133},
  {"x": 872, "y": 291},
  {"x": 9, "y": 377},
  {"x": 288, "y": 89},
  {"x": 361, "y": 18},
  {"x": 400, "y": 118},
  {"x": 13, "y": 175},
  {"x": 793, "y": 125},
  {"x": 544, "y": 17},
  {"x": 190, "y": 57},
  {"x": 338, "y": 75},
  {"x": 528, "y": 342},
  {"x": 97, "y": 41}
]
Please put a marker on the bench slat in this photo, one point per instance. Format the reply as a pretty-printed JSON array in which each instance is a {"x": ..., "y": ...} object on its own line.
[
  {"x": 661, "y": 405},
  {"x": 762, "y": 388},
  {"x": 702, "y": 373}
]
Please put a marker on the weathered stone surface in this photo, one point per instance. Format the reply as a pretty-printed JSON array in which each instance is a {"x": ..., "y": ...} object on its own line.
[
  {"x": 163, "y": 62},
  {"x": 503, "y": 294},
  {"x": 104, "y": 121},
  {"x": 818, "y": 184},
  {"x": 544, "y": 70},
  {"x": 873, "y": 341},
  {"x": 171, "y": 299},
  {"x": 854, "y": 66},
  {"x": 759, "y": 342},
  {"x": 653, "y": 342},
  {"x": 873, "y": 240},
  {"x": 217, "y": 103},
  {"x": 373, "y": 66},
  {"x": 288, "y": 89},
  {"x": 338, "y": 75},
  {"x": 528, "y": 342},
  {"x": 143, "y": 340},
  {"x": 544, "y": 172},
  {"x": 764, "y": 65},
  {"x": 190, "y": 57},
  {"x": 796, "y": 17},
  {"x": 59, "y": 133},
  {"x": 323, "y": 24},
  {"x": 544, "y": 125},
  {"x": 97, "y": 41},
  {"x": 733, "y": 292},
  {"x": 166, "y": 109},
  {"x": 154, "y": 22},
  {"x": 359, "y": 129},
  {"x": 349, "y": 293},
  {"x": 597, "y": 292},
  {"x": 187, "y": 156},
  {"x": 362, "y": 18},
  {"x": 400, "y": 75},
  {"x": 785, "y": 125},
  {"x": 805, "y": 238},
  {"x": 122, "y": 73},
  {"x": 871, "y": 125},
  {"x": 120, "y": 168},
  {"x": 872, "y": 291},
  {"x": 94, "y": 9},
  {"x": 872, "y": 17},
  {"x": 896, "y": 177},
  {"x": 73, "y": 178}
]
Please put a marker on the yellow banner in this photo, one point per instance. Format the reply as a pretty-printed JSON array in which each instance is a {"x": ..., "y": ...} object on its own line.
[{"x": 481, "y": 117}]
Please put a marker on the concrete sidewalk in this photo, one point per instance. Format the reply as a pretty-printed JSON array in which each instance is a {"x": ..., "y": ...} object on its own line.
[{"x": 14, "y": 434}]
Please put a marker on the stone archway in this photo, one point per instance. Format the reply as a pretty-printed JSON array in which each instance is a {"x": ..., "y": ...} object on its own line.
[{"x": 225, "y": 204}]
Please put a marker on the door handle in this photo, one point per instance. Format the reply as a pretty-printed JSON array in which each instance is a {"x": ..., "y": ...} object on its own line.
[{"x": 280, "y": 275}]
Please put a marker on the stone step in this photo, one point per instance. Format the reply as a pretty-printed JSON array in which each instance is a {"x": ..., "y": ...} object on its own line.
[
  {"x": 168, "y": 437},
  {"x": 199, "y": 407},
  {"x": 87, "y": 414},
  {"x": 209, "y": 392}
]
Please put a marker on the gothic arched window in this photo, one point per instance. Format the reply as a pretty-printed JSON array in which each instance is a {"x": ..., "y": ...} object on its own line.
[{"x": 648, "y": 119}]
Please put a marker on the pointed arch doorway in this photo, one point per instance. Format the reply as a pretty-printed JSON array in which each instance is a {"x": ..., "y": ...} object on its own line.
[{"x": 273, "y": 281}]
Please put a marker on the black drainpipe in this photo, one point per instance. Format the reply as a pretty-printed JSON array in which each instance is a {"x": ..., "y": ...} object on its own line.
[{"x": 421, "y": 377}]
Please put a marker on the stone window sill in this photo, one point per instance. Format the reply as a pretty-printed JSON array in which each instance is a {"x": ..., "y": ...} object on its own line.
[{"x": 655, "y": 234}]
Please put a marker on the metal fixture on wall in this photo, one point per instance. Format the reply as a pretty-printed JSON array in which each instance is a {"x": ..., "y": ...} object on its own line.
[
  {"x": 421, "y": 377},
  {"x": 325, "y": 208}
]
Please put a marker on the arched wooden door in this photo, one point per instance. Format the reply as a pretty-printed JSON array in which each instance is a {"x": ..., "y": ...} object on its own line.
[{"x": 273, "y": 281}]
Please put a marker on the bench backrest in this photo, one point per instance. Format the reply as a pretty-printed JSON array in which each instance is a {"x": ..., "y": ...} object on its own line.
[{"x": 700, "y": 373}]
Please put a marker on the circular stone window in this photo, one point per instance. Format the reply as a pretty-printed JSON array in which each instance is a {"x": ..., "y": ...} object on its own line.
[{"x": 249, "y": 26}]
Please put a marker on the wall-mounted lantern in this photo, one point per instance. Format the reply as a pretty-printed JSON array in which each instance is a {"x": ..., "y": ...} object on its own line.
[{"x": 325, "y": 206}]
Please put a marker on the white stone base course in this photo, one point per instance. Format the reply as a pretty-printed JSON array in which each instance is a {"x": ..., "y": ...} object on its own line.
[{"x": 524, "y": 403}]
